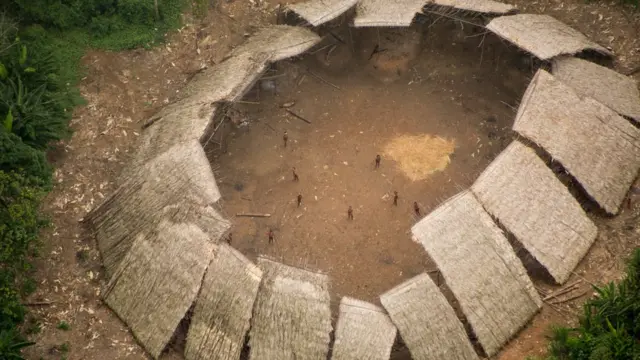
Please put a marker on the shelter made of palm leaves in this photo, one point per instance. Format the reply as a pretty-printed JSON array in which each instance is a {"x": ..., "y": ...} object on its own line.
[
  {"x": 426, "y": 321},
  {"x": 397, "y": 13},
  {"x": 292, "y": 316},
  {"x": 616, "y": 91},
  {"x": 593, "y": 143},
  {"x": 481, "y": 269},
  {"x": 527, "y": 198},
  {"x": 319, "y": 12},
  {"x": 224, "y": 306},
  {"x": 158, "y": 279},
  {"x": 178, "y": 185},
  {"x": 542, "y": 35},
  {"x": 364, "y": 331}
]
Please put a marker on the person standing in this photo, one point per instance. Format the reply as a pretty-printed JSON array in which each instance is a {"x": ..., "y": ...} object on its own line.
[
  {"x": 295, "y": 175},
  {"x": 378, "y": 158},
  {"x": 395, "y": 198},
  {"x": 270, "y": 235},
  {"x": 350, "y": 213},
  {"x": 416, "y": 208},
  {"x": 299, "y": 199},
  {"x": 285, "y": 138}
]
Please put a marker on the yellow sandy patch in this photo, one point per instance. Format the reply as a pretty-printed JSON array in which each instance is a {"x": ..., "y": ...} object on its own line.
[{"x": 419, "y": 156}]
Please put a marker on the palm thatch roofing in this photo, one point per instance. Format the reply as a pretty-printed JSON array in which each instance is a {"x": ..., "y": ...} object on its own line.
[
  {"x": 427, "y": 323},
  {"x": 479, "y": 6},
  {"x": 291, "y": 318},
  {"x": 617, "y": 91},
  {"x": 223, "y": 308},
  {"x": 177, "y": 185},
  {"x": 318, "y": 12},
  {"x": 278, "y": 42},
  {"x": 157, "y": 281},
  {"x": 192, "y": 115},
  {"x": 481, "y": 269},
  {"x": 364, "y": 331},
  {"x": 526, "y": 197},
  {"x": 542, "y": 35},
  {"x": 593, "y": 143},
  {"x": 387, "y": 12}
]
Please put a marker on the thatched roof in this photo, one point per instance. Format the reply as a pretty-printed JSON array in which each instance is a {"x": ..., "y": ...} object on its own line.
[
  {"x": 223, "y": 307},
  {"x": 278, "y": 42},
  {"x": 542, "y": 35},
  {"x": 191, "y": 116},
  {"x": 594, "y": 144},
  {"x": 481, "y": 269},
  {"x": 291, "y": 318},
  {"x": 617, "y": 91},
  {"x": 318, "y": 12},
  {"x": 364, "y": 331},
  {"x": 158, "y": 280},
  {"x": 479, "y": 6},
  {"x": 526, "y": 197},
  {"x": 387, "y": 12},
  {"x": 177, "y": 185},
  {"x": 427, "y": 323}
]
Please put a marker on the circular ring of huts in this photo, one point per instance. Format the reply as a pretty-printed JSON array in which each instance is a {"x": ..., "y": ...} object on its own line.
[{"x": 160, "y": 232}]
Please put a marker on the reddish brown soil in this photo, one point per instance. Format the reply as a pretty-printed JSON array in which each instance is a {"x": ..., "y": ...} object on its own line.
[
  {"x": 456, "y": 87},
  {"x": 457, "y": 100}
]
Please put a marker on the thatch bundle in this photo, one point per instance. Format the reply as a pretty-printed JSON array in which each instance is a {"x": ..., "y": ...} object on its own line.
[
  {"x": 481, "y": 269},
  {"x": 426, "y": 321},
  {"x": 542, "y": 35},
  {"x": 593, "y": 143},
  {"x": 364, "y": 331},
  {"x": 479, "y": 6},
  {"x": 617, "y": 91},
  {"x": 387, "y": 12},
  {"x": 526, "y": 197},
  {"x": 177, "y": 185},
  {"x": 318, "y": 12},
  {"x": 158, "y": 280},
  {"x": 278, "y": 42},
  {"x": 223, "y": 307},
  {"x": 292, "y": 316}
]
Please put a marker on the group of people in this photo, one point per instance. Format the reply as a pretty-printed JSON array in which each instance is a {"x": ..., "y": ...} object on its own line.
[{"x": 296, "y": 178}]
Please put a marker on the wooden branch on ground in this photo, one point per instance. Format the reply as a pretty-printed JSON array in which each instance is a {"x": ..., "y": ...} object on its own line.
[
  {"x": 571, "y": 298},
  {"x": 564, "y": 290},
  {"x": 297, "y": 116},
  {"x": 151, "y": 122},
  {"x": 39, "y": 303},
  {"x": 252, "y": 215},
  {"x": 323, "y": 80}
]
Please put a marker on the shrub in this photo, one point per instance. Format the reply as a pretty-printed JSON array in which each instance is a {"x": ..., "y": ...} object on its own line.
[
  {"x": 141, "y": 12},
  {"x": 34, "y": 104},
  {"x": 63, "y": 325},
  {"x": 11, "y": 343},
  {"x": 609, "y": 326}
]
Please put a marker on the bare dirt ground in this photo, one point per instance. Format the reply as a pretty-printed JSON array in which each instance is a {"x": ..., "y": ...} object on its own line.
[
  {"x": 419, "y": 108},
  {"x": 446, "y": 91}
]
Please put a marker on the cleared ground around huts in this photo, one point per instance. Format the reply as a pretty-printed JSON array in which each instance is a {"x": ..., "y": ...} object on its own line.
[{"x": 426, "y": 103}]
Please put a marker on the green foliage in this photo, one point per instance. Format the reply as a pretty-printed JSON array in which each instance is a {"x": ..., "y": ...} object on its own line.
[
  {"x": 107, "y": 24},
  {"x": 609, "y": 326},
  {"x": 63, "y": 325},
  {"x": 200, "y": 8},
  {"x": 35, "y": 103},
  {"x": 11, "y": 343},
  {"x": 18, "y": 157}
]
